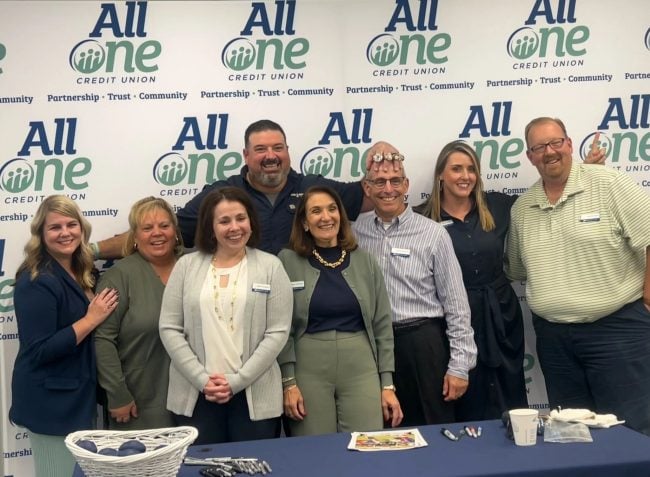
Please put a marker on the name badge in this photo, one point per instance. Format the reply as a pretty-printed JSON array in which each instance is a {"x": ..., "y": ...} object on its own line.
[
  {"x": 590, "y": 217},
  {"x": 447, "y": 223},
  {"x": 300, "y": 285},
  {"x": 262, "y": 287},
  {"x": 400, "y": 252}
]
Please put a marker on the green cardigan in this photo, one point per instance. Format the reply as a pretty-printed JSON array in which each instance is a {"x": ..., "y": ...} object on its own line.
[
  {"x": 366, "y": 281},
  {"x": 130, "y": 355}
]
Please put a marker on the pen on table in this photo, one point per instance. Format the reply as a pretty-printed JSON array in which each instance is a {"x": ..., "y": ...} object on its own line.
[
  {"x": 474, "y": 434},
  {"x": 448, "y": 434},
  {"x": 470, "y": 431},
  {"x": 479, "y": 430}
]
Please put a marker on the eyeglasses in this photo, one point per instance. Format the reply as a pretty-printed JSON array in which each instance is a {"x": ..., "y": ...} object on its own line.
[
  {"x": 381, "y": 183},
  {"x": 541, "y": 148}
]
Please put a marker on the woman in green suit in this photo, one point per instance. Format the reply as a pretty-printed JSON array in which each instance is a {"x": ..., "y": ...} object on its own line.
[{"x": 337, "y": 366}]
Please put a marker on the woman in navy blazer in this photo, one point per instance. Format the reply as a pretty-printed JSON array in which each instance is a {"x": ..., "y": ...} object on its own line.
[{"x": 54, "y": 377}]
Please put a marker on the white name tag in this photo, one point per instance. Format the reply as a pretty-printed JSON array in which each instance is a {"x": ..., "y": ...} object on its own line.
[
  {"x": 590, "y": 217},
  {"x": 300, "y": 285},
  {"x": 400, "y": 252},
  {"x": 447, "y": 223},
  {"x": 262, "y": 287}
]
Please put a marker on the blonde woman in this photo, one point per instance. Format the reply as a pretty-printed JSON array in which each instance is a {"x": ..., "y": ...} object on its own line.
[
  {"x": 130, "y": 354},
  {"x": 478, "y": 224},
  {"x": 54, "y": 376}
]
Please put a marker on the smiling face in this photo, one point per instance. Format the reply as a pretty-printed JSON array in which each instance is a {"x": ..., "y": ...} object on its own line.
[
  {"x": 231, "y": 226},
  {"x": 554, "y": 165},
  {"x": 458, "y": 176},
  {"x": 323, "y": 219},
  {"x": 268, "y": 161},
  {"x": 386, "y": 189},
  {"x": 155, "y": 236},
  {"x": 61, "y": 235}
]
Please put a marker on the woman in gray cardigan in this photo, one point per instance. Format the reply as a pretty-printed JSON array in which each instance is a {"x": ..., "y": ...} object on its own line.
[
  {"x": 225, "y": 317},
  {"x": 337, "y": 366}
]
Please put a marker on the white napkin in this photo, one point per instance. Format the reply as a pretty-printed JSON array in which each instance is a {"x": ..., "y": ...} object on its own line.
[{"x": 585, "y": 416}]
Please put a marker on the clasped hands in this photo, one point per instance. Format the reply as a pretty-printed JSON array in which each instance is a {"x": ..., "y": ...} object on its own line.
[
  {"x": 217, "y": 389},
  {"x": 124, "y": 413}
]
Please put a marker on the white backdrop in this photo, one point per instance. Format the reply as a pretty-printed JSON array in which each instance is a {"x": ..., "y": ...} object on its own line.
[{"x": 109, "y": 102}]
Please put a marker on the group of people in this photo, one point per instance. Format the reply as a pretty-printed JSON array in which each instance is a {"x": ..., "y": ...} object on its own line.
[{"x": 404, "y": 317}]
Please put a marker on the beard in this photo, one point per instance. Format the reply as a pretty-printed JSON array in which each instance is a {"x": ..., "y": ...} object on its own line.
[{"x": 269, "y": 179}]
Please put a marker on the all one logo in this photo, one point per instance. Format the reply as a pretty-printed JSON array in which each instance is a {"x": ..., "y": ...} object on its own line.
[
  {"x": 559, "y": 40},
  {"x": 646, "y": 41},
  {"x": 491, "y": 125},
  {"x": 170, "y": 169},
  {"x": 389, "y": 49},
  {"x": 347, "y": 161},
  {"x": 93, "y": 55},
  {"x": 207, "y": 137},
  {"x": 20, "y": 174},
  {"x": 604, "y": 142},
  {"x": 630, "y": 119},
  {"x": 278, "y": 48}
]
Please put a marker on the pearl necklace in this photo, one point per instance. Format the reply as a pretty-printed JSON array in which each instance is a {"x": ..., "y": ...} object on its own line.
[
  {"x": 344, "y": 254},
  {"x": 217, "y": 301}
]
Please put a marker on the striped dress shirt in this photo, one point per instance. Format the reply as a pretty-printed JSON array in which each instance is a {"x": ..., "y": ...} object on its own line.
[{"x": 423, "y": 277}]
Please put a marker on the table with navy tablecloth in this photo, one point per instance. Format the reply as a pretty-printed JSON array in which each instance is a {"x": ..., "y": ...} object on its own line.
[{"x": 614, "y": 452}]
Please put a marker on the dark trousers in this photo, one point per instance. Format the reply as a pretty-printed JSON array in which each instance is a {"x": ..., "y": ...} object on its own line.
[
  {"x": 492, "y": 391},
  {"x": 421, "y": 360},
  {"x": 229, "y": 422},
  {"x": 603, "y": 366}
]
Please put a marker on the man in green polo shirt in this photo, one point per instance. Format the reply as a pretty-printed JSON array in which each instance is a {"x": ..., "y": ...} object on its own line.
[{"x": 580, "y": 237}]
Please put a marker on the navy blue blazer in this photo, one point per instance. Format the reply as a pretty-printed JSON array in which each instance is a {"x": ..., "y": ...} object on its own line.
[{"x": 54, "y": 379}]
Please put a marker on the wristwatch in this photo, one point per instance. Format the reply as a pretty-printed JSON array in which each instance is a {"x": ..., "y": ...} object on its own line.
[{"x": 389, "y": 388}]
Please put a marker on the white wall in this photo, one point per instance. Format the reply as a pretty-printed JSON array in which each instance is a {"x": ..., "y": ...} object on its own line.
[{"x": 104, "y": 138}]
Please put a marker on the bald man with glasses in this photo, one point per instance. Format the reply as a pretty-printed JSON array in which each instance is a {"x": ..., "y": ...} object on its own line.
[{"x": 434, "y": 340}]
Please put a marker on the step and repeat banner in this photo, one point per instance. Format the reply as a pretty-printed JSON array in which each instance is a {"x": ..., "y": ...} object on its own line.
[{"x": 108, "y": 102}]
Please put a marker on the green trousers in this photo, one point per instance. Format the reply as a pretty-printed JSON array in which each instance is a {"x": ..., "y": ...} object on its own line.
[
  {"x": 51, "y": 457},
  {"x": 338, "y": 378}
]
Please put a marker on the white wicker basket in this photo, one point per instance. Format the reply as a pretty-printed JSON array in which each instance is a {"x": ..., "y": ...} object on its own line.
[{"x": 156, "y": 461}]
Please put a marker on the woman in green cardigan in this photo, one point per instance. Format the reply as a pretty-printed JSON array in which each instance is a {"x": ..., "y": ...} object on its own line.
[
  {"x": 337, "y": 366},
  {"x": 131, "y": 360}
]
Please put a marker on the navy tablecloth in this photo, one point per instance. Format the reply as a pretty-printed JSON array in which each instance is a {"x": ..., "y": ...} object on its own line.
[{"x": 614, "y": 452}]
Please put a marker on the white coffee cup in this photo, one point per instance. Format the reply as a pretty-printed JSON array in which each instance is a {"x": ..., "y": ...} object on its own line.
[{"x": 524, "y": 426}]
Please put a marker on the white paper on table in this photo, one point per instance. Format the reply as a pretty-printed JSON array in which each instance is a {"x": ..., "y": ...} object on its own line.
[{"x": 402, "y": 439}]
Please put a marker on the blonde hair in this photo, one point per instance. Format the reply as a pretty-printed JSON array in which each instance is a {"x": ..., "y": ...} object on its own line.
[
  {"x": 138, "y": 211},
  {"x": 432, "y": 207},
  {"x": 35, "y": 252}
]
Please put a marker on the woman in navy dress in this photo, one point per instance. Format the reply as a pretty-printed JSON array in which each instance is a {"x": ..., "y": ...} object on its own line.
[{"x": 478, "y": 225}]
